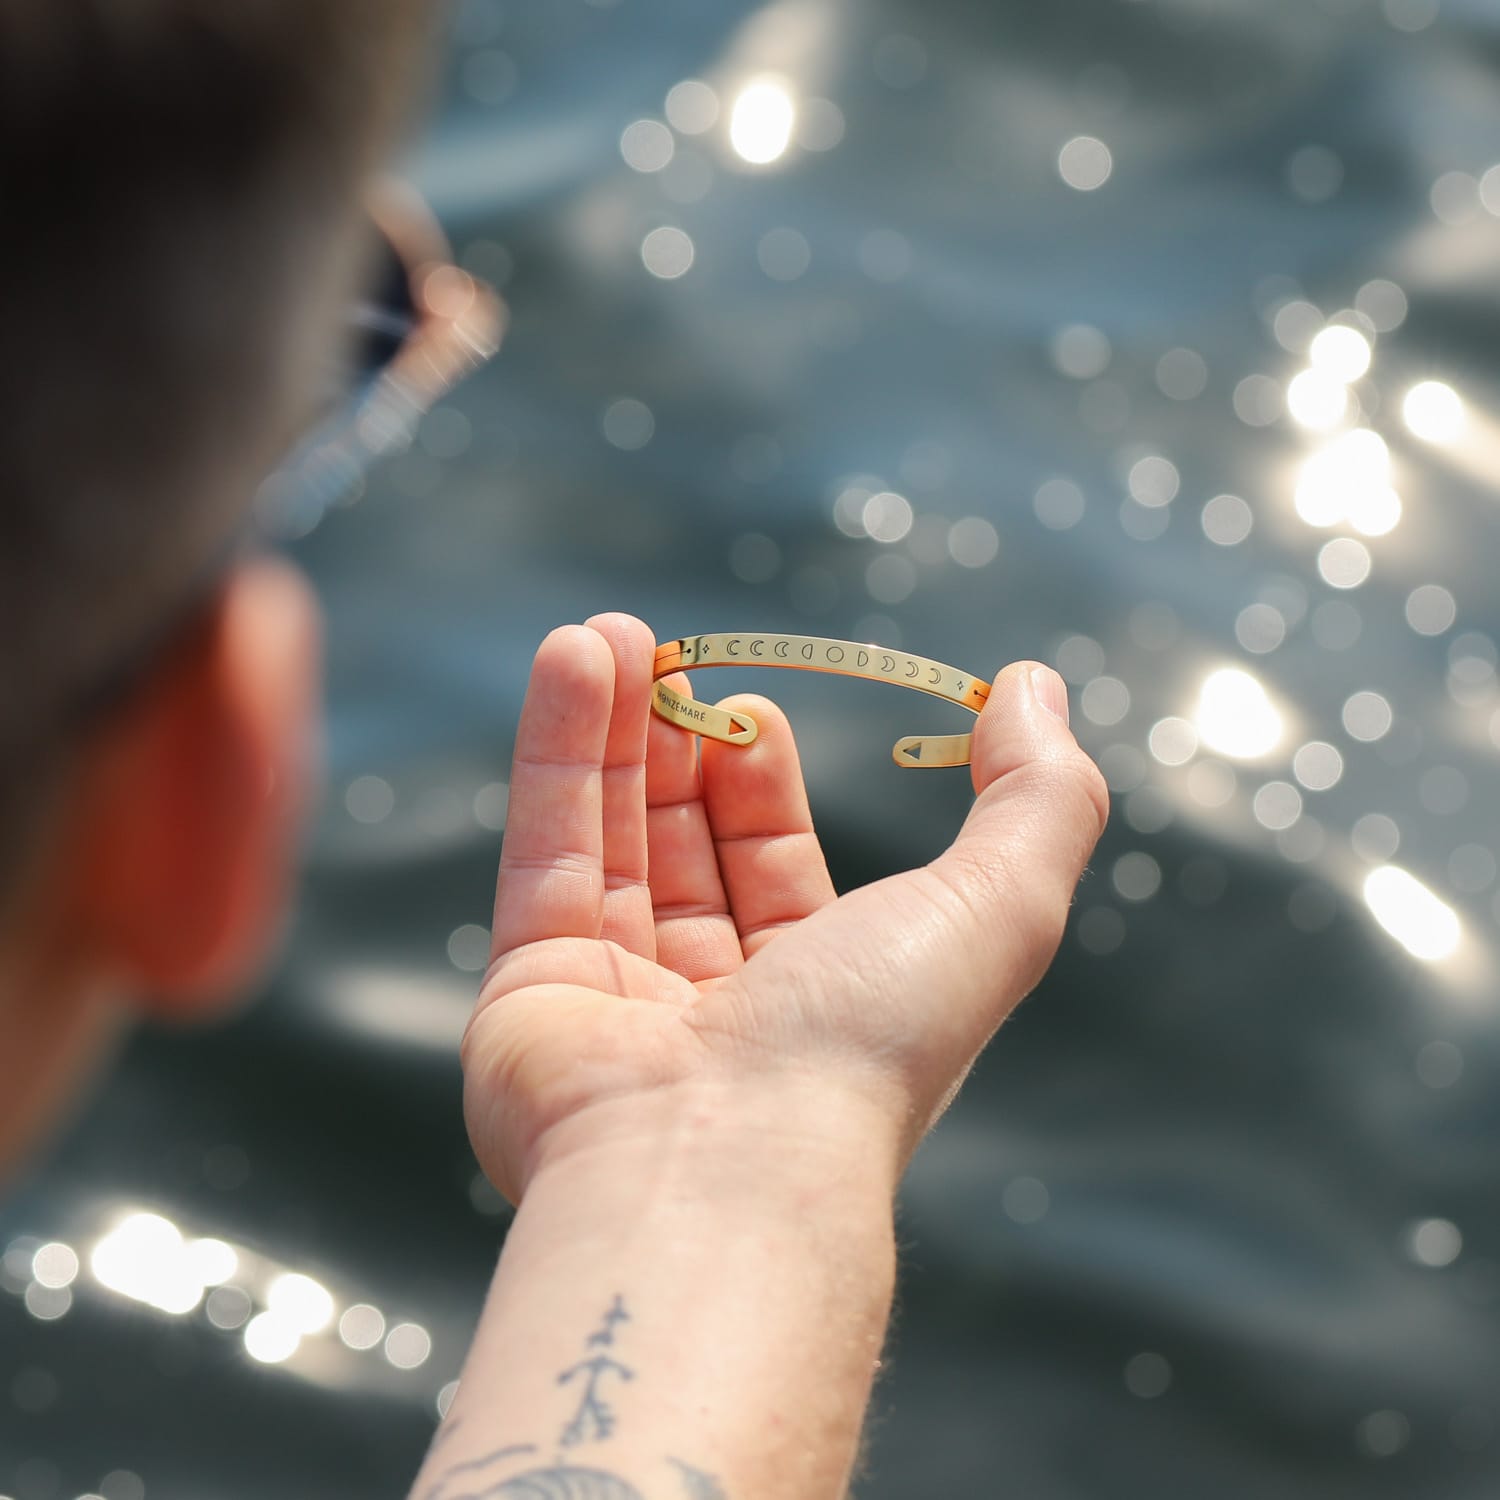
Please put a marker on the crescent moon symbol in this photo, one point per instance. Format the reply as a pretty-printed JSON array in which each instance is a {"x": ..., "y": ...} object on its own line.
[
  {"x": 729, "y": 649},
  {"x": 781, "y": 649},
  {"x": 887, "y": 663},
  {"x": 936, "y": 675},
  {"x": 757, "y": 648},
  {"x": 912, "y": 669}
]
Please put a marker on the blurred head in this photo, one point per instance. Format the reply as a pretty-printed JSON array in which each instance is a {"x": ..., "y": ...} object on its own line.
[{"x": 182, "y": 184}]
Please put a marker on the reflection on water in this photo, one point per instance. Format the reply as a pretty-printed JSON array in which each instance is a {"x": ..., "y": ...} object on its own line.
[{"x": 1151, "y": 337}]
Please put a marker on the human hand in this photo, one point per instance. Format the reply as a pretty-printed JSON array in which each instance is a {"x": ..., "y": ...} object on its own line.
[{"x": 666, "y": 937}]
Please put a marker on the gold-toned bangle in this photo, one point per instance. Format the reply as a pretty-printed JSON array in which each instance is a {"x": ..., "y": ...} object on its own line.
[{"x": 814, "y": 653}]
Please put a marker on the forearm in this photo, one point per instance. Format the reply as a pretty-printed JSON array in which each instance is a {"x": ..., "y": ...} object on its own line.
[{"x": 691, "y": 1306}]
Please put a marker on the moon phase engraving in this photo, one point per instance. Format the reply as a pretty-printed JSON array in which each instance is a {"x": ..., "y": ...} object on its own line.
[{"x": 816, "y": 654}]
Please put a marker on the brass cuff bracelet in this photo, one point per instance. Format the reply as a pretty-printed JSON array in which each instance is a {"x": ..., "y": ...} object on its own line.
[{"x": 814, "y": 653}]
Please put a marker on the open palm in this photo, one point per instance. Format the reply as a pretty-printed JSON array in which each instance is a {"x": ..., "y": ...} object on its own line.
[{"x": 665, "y": 923}]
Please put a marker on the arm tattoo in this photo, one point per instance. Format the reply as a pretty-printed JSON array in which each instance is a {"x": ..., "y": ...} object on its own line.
[
  {"x": 592, "y": 1421},
  {"x": 700, "y": 1486},
  {"x": 594, "y": 1417},
  {"x": 440, "y": 1490}
]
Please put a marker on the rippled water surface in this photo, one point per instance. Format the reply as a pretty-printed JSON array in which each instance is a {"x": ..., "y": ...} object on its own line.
[{"x": 1155, "y": 338}]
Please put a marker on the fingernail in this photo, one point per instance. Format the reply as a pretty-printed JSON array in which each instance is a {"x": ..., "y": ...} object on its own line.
[{"x": 1051, "y": 691}]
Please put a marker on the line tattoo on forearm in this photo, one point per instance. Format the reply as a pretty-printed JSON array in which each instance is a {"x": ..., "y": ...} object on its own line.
[
  {"x": 700, "y": 1486},
  {"x": 440, "y": 1490},
  {"x": 592, "y": 1421},
  {"x": 594, "y": 1417}
]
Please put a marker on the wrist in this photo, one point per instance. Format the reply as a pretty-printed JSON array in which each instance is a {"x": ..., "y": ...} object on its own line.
[
  {"x": 748, "y": 1239},
  {"x": 785, "y": 1136}
]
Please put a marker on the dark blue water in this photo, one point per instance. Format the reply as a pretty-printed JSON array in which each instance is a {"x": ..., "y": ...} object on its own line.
[{"x": 1216, "y": 1214}]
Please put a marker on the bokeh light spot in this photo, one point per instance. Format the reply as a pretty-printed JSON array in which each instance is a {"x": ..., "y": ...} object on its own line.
[
  {"x": 1227, "y": 520},
  {"x": 408, "y": 1345},
  {"x": 1431, "y": 609},
  {"x": 647, "y": 145},
  {"x": 300, "y": 1301},
  {"x": 1025, "y": 1200},
  {"x": 1136, "y": 876},
  {"x": 1276, "y": 805},
  {"x": 362, "y": 1326},
  {"x": 820, "y": 125},
  {"x": 1433, "y": 1242},
  {"x": 1257, "y": 400},
  {"x": 271, "y": 1339},
  {"x": 1433, "y": 411},
  {"x": 1382, "y": 1434},
  {"x": 1100, "y": 931},
  {"x": 1105, "y": 701},
  {"x": 783, "y": 254},
  {"x": 1367, "y": 716},
  {"x": 1314, "y": 173},
  {"x": 1059, "y": 504},
  {"x": 887, "y": 516},
  {"x": 1236, "y": 717},
  {"x": 469, "y": 948},
  {"x": 1173, "y": 741},
  {"x": 1375, "y": 837},
  {"x": 692, "y": 107},
  {"x": 1148, "y": 1376},
  {"x": 1259, "y": 628},
  {"x": 369, "y": 799},
  {"x": 1316, "y": 400},
  {"x": 1085, "y": 163},
  {"x": 1181, "y": 374},
  {"x": 973, "y": 542},
  {"x": 627, "y": 424},
  {"x": 1383, "y": 303},
  {"x": 1080, "y": 351},
  {"x": 1344, "y": 563},
  {"x": 667, "y": 252},
  {"x": 55, "y": 1265},
  {"x": 1153, "y": 480},
  {"x": 1439, "y": 1065},
  {"x": 1425, "y": 926},
  {"x": 1454, "y": 198},
  {"x": 761, "y": 121},
  {"x": 1340, "y": 353},
  {"x": 1318, "y": 765}
]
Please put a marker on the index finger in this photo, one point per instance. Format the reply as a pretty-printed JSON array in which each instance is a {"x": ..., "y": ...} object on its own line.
[{"x": 551, "y": 880}]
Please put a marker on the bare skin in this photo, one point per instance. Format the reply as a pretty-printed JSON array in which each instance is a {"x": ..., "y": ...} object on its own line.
[
  {"x": 698, "y": 1073},
  {"x": 700, "y": 1076},
  {"x": 166, "y": 865}
]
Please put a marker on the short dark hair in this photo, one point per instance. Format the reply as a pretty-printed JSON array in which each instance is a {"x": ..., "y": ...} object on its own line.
[{"x": 179, "y": 180}]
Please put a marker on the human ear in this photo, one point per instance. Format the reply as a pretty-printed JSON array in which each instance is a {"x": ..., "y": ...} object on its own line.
[{"x": 181, "y": 832}]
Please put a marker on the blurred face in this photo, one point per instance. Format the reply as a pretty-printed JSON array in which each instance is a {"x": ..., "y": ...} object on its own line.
[{"x": 161, "y": 876}]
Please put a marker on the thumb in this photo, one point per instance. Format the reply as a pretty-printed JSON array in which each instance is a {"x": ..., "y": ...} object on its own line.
[{"x": 1040, "y": 809}]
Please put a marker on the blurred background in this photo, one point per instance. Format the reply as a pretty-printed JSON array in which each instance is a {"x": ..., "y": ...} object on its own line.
[{"x": 1159, "y": 339}]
